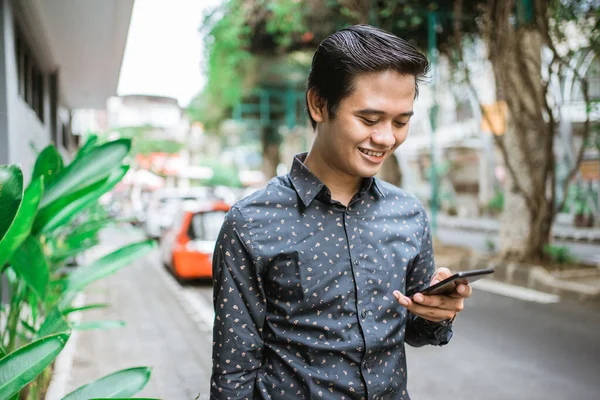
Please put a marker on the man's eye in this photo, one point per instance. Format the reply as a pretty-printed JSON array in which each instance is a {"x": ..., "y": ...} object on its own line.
[
  {"x": 399, "y": 124},
  {"x": 369, "y": 122}
]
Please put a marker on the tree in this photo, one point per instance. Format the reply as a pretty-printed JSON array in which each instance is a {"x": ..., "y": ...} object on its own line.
[
  {"x": 529, "y": 50},
  {"x": 518, "y": 34}
]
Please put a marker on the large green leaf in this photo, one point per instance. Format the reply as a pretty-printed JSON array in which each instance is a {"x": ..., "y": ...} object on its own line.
[
  {"x": 63, "y": 253},
  {"x": 54, "y": 323},
  {"x": 93, "y": 166},
  {"x": 89, "y": 144},
  {"x": 107, "y": 265},
  {"x": 21, "y": 226},
  {"x": 67, "y": 207},
  {"x": 95, "y": 325},
  {"x": 84, "y": 308},
  {"x": 48, "y": 164},
  {"x": 11, "y": 194},
  {"x": 22, "y": 366},
  {"x": 119, "y": 384},
  {"x": 29, "y": 262},
  {"x": 82, "y": 231}
]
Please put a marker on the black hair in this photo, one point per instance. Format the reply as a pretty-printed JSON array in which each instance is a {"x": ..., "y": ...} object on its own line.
[{"x": 359, "y": 49}]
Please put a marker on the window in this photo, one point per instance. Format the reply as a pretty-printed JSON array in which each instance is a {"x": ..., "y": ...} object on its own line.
[
  {"x": 53, "y": 88},
  {"x": 207, "y": 225},
  {"x": 30, "y": 77}
]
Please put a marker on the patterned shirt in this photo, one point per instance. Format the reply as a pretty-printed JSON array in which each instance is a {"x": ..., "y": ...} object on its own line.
[{"x": 303, "y": 292}]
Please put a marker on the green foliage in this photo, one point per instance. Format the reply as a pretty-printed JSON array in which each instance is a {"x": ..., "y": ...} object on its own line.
[
  {"x": 286, "y": 20},
  {"x": 23, "y": 220},
  {"x": 490, "y": 245},
  {"x": 120, "y": 384},
  {"x": 29, "y": 262},
  {"x": 496, "y": 204},
  {"x": 559, "y": 254},
  {"x": 223, "y": 175},
  {"x": 11, "y": 194},
  {"x": 227, "y": 42},
  {"x": 577, "y": 201},
  {"x": 48, "y": 164},
  {"x": 582, "y": 12},
  {"x": 19, "y": 368},
  {"x": 40, "y": 229},
  {"x": 145, "y": 141}
]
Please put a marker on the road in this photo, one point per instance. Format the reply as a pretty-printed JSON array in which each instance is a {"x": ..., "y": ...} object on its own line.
[
  {"x": 587, "y": 252},
  {"x": 504, "y": 348}
]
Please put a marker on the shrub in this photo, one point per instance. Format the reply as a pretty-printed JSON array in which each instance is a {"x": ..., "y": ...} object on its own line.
[{"x": 42, "y": 227}]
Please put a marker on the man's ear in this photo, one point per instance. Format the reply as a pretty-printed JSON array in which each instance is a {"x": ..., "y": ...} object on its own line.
[{"x": 316, "y": 106}]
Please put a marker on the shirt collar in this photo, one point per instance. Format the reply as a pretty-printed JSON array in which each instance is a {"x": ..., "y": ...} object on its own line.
[{"x": 308, "y": 186}]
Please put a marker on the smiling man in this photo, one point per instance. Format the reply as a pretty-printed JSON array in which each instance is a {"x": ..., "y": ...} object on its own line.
[{"x": 317, "y": 277}]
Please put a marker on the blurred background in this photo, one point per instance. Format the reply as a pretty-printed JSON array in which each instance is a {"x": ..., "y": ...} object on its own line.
[{"x": 504, "y": 151}]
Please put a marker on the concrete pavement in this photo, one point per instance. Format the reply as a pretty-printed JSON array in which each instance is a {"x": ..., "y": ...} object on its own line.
[{"x": 159, "y": 332}]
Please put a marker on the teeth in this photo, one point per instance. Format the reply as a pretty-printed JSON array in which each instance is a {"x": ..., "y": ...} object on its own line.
[{"x": 372, "y": 153}]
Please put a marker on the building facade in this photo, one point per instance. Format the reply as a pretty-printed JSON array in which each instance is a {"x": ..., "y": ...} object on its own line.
[{"x": 55, "y": 56}]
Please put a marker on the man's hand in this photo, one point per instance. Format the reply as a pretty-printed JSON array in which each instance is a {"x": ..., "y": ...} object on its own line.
[{"x": 436, "y": 307}]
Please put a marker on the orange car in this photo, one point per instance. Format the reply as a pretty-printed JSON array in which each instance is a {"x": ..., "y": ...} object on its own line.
[{"x": 187, "y": 246}]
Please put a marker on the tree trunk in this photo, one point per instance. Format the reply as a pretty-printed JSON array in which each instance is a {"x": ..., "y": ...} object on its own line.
[
  {"x": 527, "y": 146},
  {"x": 390, "y": 171},
  {"x": 271, "y": 154}
]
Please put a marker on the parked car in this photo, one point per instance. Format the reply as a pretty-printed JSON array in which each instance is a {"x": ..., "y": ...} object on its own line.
[
  {"x": 164, "y": 204},
  {"x": 187, "y": 246}
]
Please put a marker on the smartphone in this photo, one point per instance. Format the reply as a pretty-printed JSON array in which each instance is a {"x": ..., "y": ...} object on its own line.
[{"x": 449, "y": 284}]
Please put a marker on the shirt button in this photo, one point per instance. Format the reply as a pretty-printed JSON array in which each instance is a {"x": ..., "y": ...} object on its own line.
[
  {"x": 364, "y": 314},
  {"x": 356, "y": 262}
]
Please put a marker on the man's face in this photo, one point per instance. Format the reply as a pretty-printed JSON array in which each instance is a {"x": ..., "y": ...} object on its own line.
[{"x": 369, "y": 125}]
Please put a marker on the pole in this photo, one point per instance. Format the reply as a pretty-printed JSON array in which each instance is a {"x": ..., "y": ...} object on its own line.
[{"x": 432, "y": 44}]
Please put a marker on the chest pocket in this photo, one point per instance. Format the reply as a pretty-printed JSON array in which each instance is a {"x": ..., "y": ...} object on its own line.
[{"x": 314, "y": 273}]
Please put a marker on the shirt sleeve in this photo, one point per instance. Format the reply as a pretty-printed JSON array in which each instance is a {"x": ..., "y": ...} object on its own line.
[
  {"x": 239, "y": 303},
  {"x": 419, "y": 331}
]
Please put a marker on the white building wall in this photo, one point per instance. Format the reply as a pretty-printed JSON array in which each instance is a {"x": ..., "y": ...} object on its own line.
[{"x": 22, "y": 124}]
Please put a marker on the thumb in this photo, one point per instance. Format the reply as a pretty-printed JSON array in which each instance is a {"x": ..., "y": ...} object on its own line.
[{"x": 440, "y": 274}]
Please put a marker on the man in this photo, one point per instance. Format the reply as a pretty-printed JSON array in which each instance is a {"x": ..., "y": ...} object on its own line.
[{"x": 317, "y": 277}]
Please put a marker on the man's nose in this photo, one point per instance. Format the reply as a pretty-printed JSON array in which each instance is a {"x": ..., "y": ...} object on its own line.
[{"x": 384, "y": 136}]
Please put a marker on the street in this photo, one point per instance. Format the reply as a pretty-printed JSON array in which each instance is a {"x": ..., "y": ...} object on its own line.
[{"x": 587, "y": 252}]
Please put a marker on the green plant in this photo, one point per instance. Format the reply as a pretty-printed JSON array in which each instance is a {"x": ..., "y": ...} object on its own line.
[
  {"x": 42, "y": 227},
  {"x": 496, "y": 204},
  {"x": 559, "y": 254},
  {"x": 490, "y": 245}
]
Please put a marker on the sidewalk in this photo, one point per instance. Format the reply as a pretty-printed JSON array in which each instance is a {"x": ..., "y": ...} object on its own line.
[
  {"x": 158, "y": 334},
  {"x": 490, "y": 225}
]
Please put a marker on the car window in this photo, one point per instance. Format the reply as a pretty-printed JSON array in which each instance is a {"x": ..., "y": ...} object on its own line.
[{"x": 206, "y": 226}]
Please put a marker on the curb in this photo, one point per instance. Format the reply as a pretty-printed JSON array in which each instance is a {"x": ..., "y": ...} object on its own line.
[
  {"x": 63, "y": 365},
  {"x": 582, "y": 235},
  {"x": 530, "y": 276}
]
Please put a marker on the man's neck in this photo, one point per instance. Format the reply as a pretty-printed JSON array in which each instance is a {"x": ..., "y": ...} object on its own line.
[{"x": 342, "y": 186}]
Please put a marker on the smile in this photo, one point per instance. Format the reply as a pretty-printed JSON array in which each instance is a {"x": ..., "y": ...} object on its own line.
[{"x": 372, "y": 153}]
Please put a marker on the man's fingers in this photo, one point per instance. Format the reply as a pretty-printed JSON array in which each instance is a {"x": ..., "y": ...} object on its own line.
[
  {"x": 440, "y": 274},
  {"x": 452, "y": 303},
  {"x": 464, "y": 290},
  {"x": 428, "y": 312}
]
